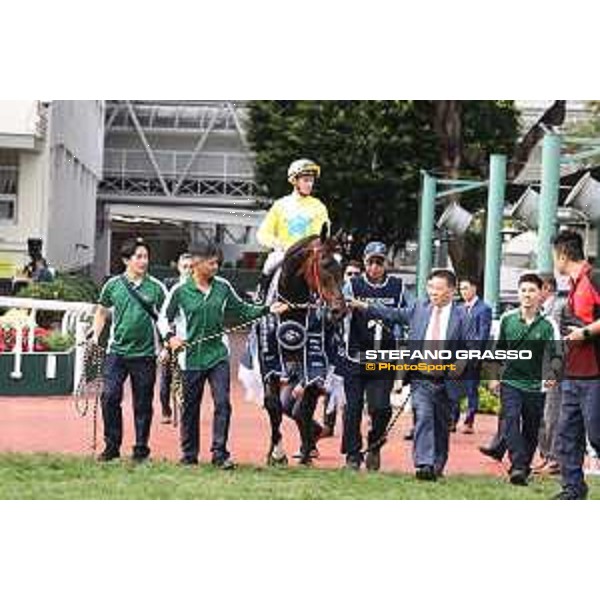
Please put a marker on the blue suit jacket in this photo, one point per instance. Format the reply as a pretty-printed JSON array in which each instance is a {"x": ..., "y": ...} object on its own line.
[
  {"x": 458, "y": 335},
  {"x": 480, "y": 320}
]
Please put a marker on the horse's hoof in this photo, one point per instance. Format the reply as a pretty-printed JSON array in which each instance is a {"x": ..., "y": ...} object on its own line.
[
  {"x": 276, "y": 456},
  {"x": 277, "y": 461}
]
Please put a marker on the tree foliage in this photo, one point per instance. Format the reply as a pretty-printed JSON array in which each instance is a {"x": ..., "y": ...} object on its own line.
[
  {"x": 587, "y": 128},
  {"x": 372, "y": 152}
]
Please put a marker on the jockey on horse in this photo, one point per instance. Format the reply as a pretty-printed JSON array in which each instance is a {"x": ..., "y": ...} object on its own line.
[
  {"x": 296, "y": 228},
  {"x": 291, "y": 218}
]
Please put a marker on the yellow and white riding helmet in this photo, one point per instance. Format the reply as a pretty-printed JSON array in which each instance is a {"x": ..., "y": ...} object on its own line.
[{"x": 303, "y": 166}]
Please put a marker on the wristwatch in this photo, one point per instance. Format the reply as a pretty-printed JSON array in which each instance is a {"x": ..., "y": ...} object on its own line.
[{"x": 587, "y": 334}]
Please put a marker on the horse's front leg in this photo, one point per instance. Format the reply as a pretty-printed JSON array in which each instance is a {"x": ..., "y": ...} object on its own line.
[
  {"x": 276, "y": 454},
  {"x": 309, "y": 429}
]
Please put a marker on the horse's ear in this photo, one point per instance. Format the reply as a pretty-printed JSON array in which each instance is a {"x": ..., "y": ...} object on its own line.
[{"x": 324, "y": 232}]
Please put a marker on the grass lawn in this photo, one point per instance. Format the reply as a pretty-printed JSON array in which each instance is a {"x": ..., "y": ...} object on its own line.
[{"x": 42, "y": 476}]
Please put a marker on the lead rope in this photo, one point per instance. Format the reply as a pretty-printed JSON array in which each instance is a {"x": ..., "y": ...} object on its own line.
[
  {"x": 396, "y": 412},
  {"x": 176, "y": 389},
  {"x": 89, "y": 388}
]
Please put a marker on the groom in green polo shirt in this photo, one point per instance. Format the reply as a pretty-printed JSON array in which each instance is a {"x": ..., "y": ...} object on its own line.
[
  {"x": 524, "y": 381},
  {"x": 192, "y": 323},
  {"x": 132, "y": 300}
]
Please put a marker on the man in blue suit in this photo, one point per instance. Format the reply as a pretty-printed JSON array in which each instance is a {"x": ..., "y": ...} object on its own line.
[
  {"x": 436, "y": 324},
  {"x": 480, "y": 321}
]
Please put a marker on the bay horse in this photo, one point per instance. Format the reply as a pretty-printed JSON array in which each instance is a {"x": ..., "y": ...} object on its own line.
[{"x": 311, "y": 276}]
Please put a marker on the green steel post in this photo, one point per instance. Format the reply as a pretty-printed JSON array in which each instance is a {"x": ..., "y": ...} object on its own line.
[
  {"x": 493, "y": 236},
  {"x": 426, "y": 217},
  {"x": 548, "y": 201}
]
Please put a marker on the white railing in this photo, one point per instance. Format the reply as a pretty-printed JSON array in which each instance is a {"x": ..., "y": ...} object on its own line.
[
  {"x": 75, "y": 320},
  {"x": 176, "y": 116},
  {"x": 220, "y": 165}
]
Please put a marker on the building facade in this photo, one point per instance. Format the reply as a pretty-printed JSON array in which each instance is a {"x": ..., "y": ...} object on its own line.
[
  {"x": 176, "y": 172},
  {"x": 50, "y": 165}
]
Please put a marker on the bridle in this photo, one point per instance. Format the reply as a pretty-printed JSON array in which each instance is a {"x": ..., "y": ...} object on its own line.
[{"x": 311, "y": 273}]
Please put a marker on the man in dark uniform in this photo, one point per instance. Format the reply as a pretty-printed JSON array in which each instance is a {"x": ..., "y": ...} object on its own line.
[
  {"x": 363, "y": 333},
  {"x": 436, "y": 324}
]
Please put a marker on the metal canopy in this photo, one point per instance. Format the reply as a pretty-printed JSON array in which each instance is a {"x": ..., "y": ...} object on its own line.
[{"x": 188, "y": 214}]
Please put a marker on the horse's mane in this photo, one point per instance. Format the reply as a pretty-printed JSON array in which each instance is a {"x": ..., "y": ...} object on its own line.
[
  {"x": 299, "y": 245},
  {"x": 291, "y": 280},
  {"x": 292, "y": 261}
]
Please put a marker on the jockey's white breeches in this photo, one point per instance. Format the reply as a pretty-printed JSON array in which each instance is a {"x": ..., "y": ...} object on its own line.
[{"x": 274, "y": 259}]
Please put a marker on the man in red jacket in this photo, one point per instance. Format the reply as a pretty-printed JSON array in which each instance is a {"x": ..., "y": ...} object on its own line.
[{"x": 580, "y": 412}]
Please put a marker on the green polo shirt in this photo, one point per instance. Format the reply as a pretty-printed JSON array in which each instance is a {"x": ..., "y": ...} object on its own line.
[
  {"x": 194, "y": 315},
  {"x": 132, "y": 332},
  {"x": 538, "y": 337}
]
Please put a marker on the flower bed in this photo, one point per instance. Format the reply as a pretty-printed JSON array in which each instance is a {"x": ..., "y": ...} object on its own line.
[{"x": 8, "y": 339}]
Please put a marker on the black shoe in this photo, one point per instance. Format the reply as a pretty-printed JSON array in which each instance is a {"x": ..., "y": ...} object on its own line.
[
  {"x": 570, "y": 493},
  {"x": 373, "y": 460},
  {"x": 108, "y": 455},
  {"x": 353, "y": 463},
  {"x": 139, "y": 454},
  {"x": 306, "y": 460},
  {"x": 518, "y": 477},
  {"x": 426, "y": 473},
  {"x": 410, "y": 435},
  {"x": 225, "y": 464},
  {"x": 491, "y": 453},
  {"x": 314, "y": 453},
  {"x": 188, "y": 462}
]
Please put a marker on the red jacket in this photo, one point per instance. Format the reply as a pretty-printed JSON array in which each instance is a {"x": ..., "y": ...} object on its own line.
[{"x": 583, "y": 358}]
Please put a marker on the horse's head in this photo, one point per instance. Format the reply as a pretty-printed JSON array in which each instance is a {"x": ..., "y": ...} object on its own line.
[{"x": 316, "y": 261}]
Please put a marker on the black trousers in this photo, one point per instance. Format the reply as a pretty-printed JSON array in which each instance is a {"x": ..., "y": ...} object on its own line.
[
  {"x": 166, "y": 377},
  {"x": 377, "y": 393},
  {"x": 218, "y": 377},
  {"x": 142, "y": 372},
  {"x": 522, "y": 413}
]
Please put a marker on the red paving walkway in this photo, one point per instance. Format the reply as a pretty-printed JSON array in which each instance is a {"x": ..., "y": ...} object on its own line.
[{"x": 52, "y": 425}]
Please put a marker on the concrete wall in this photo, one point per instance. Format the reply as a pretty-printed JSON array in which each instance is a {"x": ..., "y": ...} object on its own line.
[
  {"x": 31, "y": 210},
  {"x": 19, "y": 117},
  {"x": 75, "y": 167}
]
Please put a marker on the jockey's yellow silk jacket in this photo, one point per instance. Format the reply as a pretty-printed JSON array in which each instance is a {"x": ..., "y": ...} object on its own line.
[{"x": 291, "y": 219}]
